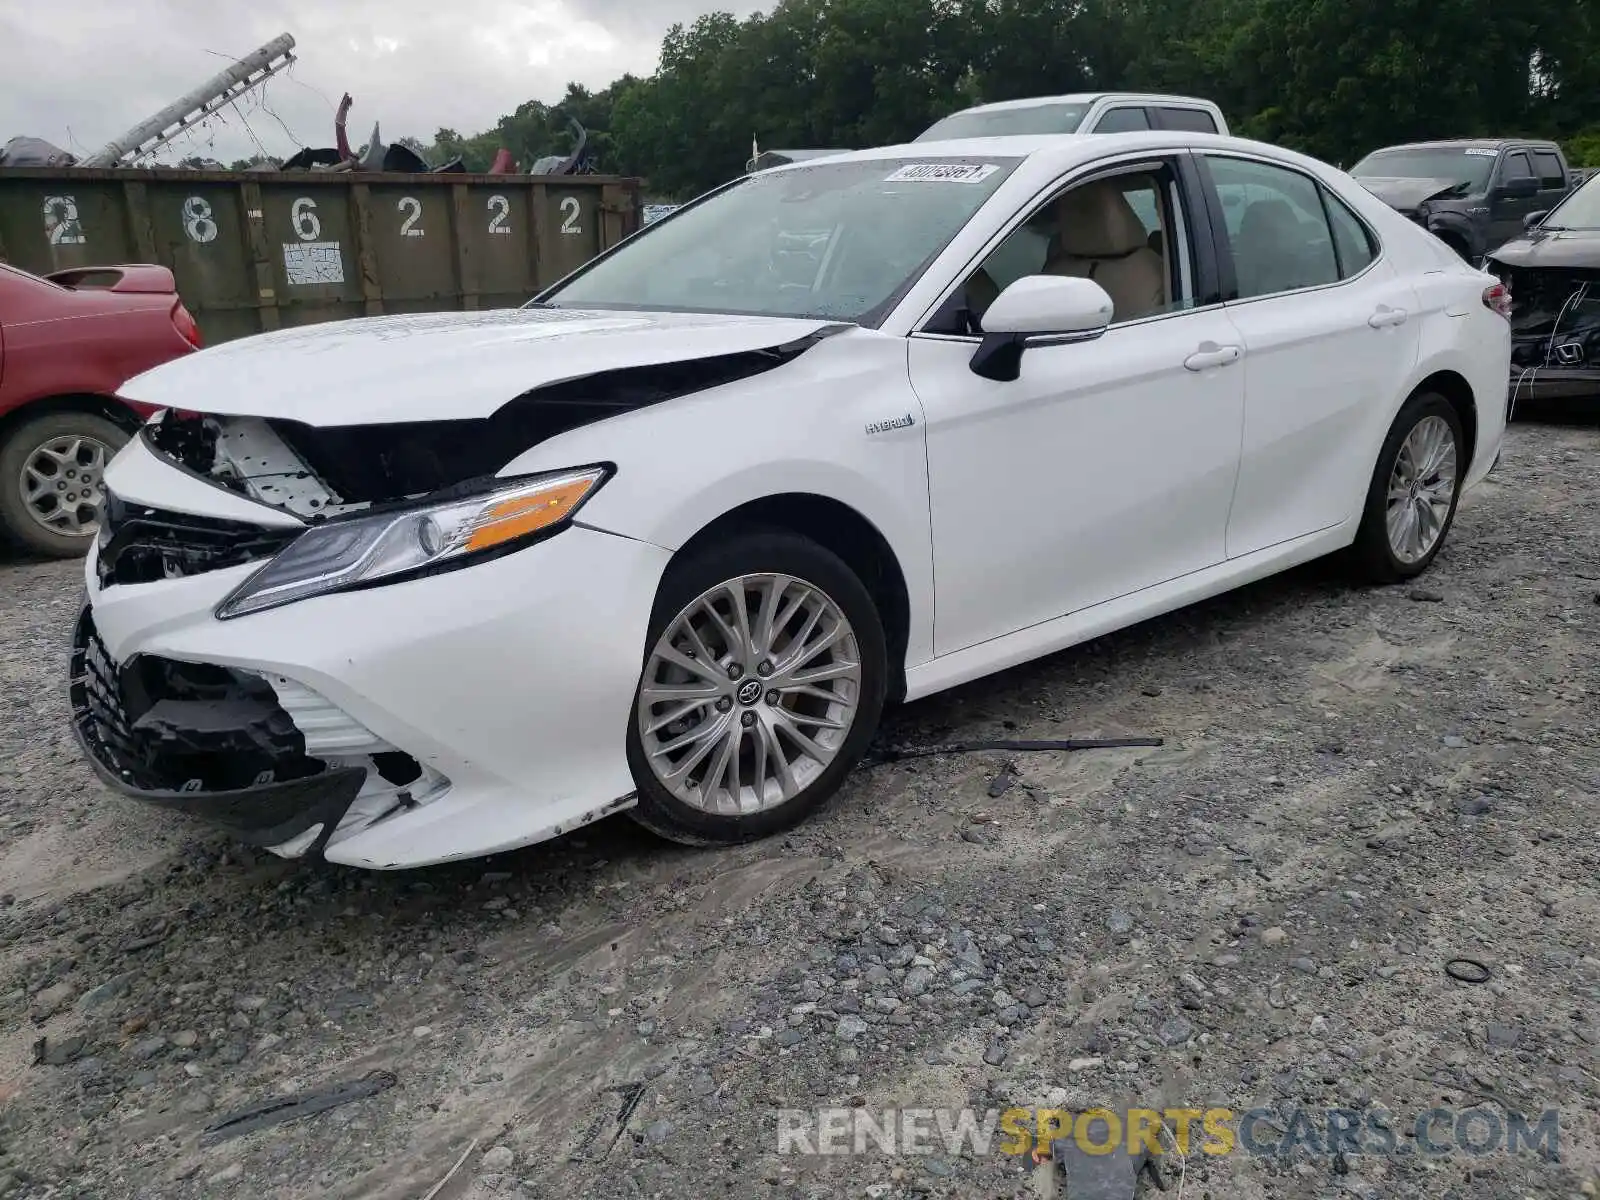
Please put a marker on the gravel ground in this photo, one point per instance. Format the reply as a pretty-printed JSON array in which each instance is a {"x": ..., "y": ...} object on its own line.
[{"x": 1357, "y": 787}]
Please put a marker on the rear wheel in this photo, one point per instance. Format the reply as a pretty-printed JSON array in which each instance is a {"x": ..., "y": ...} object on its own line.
[
  {"x": 1411, "y": 501},
  {"x": 52, "y": 481},
  {"x": 763, "y": 682}
]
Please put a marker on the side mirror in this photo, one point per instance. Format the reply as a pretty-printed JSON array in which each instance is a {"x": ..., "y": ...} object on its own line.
[
  {"x": 1534, "y": 219},
  {"x": 1518, "y": 189},
  {"x": 1038, "y": 310}
]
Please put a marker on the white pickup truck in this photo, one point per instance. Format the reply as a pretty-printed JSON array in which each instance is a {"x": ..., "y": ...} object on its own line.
[{"x": 1089, "y": 112}]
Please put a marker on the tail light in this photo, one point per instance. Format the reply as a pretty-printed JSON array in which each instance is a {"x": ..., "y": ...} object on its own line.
[
  {"x": 185, "y": 324},
  {"x": 1497, "y": 296}
]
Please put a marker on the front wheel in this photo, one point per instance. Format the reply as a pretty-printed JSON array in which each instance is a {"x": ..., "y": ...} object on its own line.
[
  {"x": 764, "y": 678},
  {"x": 1411, "y": 501}
]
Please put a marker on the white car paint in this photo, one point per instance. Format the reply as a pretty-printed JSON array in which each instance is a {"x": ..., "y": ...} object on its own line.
[
  {"x": 1031, "y": 479},
  {"x": 456, "y": 364},
  {"x": 1099, "y": 104},
  {"x": 1106, "y": 485}
]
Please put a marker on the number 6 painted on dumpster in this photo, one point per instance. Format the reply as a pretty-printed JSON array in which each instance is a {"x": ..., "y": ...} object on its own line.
[{"x": 303, "y": 213}]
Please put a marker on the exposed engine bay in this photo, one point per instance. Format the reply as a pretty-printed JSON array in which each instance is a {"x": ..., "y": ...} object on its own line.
[
  {"x": 321, "y": 472},
  {"x": 1554, "y": 279}
]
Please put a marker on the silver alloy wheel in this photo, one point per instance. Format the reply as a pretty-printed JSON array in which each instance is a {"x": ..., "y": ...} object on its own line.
[
  {"x": 749, "y": 694},
  {"x": 63, "y": 484},
  {"x": 1421, "y": 488}
]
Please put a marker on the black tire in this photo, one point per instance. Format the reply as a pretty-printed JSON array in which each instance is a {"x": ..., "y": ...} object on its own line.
[
  {"x": 745, "y": 553},
  {"x": 16, "y": 522},
  {"x": 1372, "y": 554}
]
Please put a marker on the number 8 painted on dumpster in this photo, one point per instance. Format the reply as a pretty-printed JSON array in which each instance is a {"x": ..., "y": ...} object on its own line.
[{"x": 197, "y": 222}]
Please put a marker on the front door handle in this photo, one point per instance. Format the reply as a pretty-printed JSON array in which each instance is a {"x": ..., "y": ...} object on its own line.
[
  {"x": 1386, "y": 317},
  {"x": 1212, "y": 355}
]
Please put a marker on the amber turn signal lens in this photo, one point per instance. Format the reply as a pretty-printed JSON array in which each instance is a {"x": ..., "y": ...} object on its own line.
[{"x": 518, "y": 516}]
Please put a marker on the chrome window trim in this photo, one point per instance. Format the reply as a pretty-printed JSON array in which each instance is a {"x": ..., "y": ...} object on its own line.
[
  {"x": 1383, "y": 249},
  {"x": 1125, "y": 163}
]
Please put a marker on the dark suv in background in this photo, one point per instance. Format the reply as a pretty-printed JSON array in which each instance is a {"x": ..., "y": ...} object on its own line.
[{"x": 1474, "y": 195}]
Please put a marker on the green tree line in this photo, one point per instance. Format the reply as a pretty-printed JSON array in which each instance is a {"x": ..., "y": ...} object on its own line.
[{"x": 1334, "y": 78}]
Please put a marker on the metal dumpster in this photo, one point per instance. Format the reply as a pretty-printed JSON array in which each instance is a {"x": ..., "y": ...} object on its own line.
[{"x": 260, "y": 250}]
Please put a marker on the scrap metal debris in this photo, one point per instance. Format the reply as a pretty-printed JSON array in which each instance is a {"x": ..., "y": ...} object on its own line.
[
  {"x": 1468, "y": 970},
  {"x": 58, "y": 1052},
  {"x": 632, "y": 1094},
  {"x": 1093, "y": 1174},
  {"x": 894, "y": 754},
  {"x": 451, "y": 1173},
  {"x": 295, "y": 1107}
]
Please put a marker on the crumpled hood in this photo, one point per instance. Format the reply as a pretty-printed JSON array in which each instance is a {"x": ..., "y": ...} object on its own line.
[
  {"x": 1559, "y": 249},
  {"x": 439, "y": 366},
  {"x": 1406, "y": 193}
]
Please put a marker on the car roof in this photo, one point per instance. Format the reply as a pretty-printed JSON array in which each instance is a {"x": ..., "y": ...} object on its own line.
[
  {"x": 1466, "y": 144},
  {"x": 1046, "y": 150},
  {"x": 1083, "y": 98}
]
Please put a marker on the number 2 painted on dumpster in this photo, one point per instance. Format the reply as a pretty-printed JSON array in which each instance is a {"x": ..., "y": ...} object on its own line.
[
  {"x": 413, "y": 206},
  {"x": 500, "y": 207}
]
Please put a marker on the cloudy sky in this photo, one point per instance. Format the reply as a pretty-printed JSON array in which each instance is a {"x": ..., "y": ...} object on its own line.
[{"x": 80, "y": 74}]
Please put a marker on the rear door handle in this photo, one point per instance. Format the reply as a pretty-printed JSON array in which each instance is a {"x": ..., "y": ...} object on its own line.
[
  {"x": 1386, "y": 316},
  {"x": 1212, "y": 355}
]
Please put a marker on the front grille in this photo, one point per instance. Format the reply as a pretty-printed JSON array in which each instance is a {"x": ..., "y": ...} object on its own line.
[
  {"x": 139, "y": 544},
  {"x": 163, "y": 725},
  {"x": 96, "y": 694}
]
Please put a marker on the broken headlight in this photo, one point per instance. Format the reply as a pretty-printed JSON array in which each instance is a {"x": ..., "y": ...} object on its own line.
[{"x": 386, "y": 547}]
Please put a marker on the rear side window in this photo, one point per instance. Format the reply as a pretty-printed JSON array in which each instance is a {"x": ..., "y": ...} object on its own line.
[
  {"x": 1123, "y": 120},
  {"x": 1189, "y": 120},
  {"x": 1277, "y": 228},
  {"x": 1352, "y": 241},
  {"x": 1548, "y": 164}
]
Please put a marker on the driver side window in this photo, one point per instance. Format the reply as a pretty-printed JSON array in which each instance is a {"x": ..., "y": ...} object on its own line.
[{"x": 1120, "y": 230}]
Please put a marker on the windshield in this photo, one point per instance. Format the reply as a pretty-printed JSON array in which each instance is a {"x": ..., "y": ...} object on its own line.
[
  {"x": 840, "y": 241},
  {"x": 1581, "y": 210},
  {"x": 1004, "y": 122},
  {"x": 1467, "y": 167}
]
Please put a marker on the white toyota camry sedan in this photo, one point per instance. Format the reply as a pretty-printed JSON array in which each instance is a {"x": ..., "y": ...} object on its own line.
[{"x": 409, "y": 589}]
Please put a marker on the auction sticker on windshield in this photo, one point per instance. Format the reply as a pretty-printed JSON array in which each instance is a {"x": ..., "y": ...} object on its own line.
[
  {"x": 943, "y": 173},
  {"x": 1483, "y": 153}
]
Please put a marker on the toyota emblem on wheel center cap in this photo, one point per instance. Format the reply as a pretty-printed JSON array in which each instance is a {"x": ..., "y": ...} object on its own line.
[{"x": 749, "y": 691}]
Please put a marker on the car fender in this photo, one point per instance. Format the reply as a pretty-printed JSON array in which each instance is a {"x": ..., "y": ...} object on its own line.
[
  {"x": 1456, "y": 224},
  {"x": 839, "y": 421},
  {"x": 1480, "y": 360}
]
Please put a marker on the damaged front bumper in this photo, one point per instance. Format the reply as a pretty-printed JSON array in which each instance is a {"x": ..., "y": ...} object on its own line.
[
  {"x": 1555, "y": 324},
  {"x": 420, "y": 722},
  {"x": 143, "y": 751},
  {"x": 1538, "y": 382},
  {"x": 258, "y": 755}
]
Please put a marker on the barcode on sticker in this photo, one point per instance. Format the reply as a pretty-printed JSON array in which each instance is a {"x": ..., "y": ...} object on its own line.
[{"x": 942, "y": 173}]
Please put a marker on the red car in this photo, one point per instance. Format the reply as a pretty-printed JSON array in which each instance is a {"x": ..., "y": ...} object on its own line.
[{"x": 68, "y": 341}]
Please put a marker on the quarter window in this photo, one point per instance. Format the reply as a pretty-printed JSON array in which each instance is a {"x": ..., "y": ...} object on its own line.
[
  {"x": 1123, "y": 120},
  {"x": 1352, "y": 241},
  {"x": 1277, "y": 231}
]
